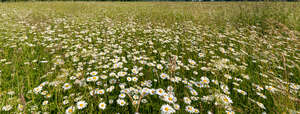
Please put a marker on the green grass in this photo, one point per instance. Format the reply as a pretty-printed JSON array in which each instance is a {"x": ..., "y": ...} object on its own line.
[{"x": 54, "y": 42}]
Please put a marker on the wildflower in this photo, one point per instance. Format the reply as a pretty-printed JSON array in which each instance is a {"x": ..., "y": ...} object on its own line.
[
  {"x": 270, "y": 88},
  {"x": 81, "y": 104},
  {"x": 294, "y": 86},
  {"x": 170, "y": 99},
  {"x": 195, "y": 72},
  {"x": 70, "y": 110},
  {"x": 128, "y": 79},
  {"x": 241, "y": 91},
  {"x": 192, "y": 62},
  {"x": 121, "y": 102},
  {"x": 122, "y": 86},
  {"x": 229, "y": 112},
  {"x": 67, "y": 86},
  {"x": 101, "y": 91},
  {"x": 164, "y": 76},
  {"x": 94, "y": 73},
  {"x": 103, "y": 77},
  {"x": 194, "y": 92},
  {"x": 135, "y": 79},
  {"x": 160, "y": 92},
  {"x": 261, "y": 95},
  {"x": 226, "y": 99},
  {"x": 7, "y": 108},
  {"x": 187, "y": 100},
  {"x": 189, "y": 109},
  {"x": 122, "y": 95},
  {"x": 45, "y": 103},
  {"x": 261, "y": 105},
  {"x": 135, "y": 71},
  {"x": 135, "y": 97},
  {"x": 167, "y": 109},
  {"x": 122, "y": 74},
  {"x": 73, "y": 78},
  {"x": 227, "y": 76},
  {"x": 37, "y": 89},
  {"x": 20, "y": 107},
  {"x": 196, "y": 110},
  {"x": 11, "y": 93},
  {"x": 144, "y": 91},
  {"x": 201, "y": 55},
  {"x": 89, "y": 79},
  {"x": 170, "y": 88},
  {"x": 102, "y": 105},
  {"x": 159, "y": 66},
  {"x": 176, "y": 106},
  {"x": 65, "y": 102},
  {"x": 205, "y": 80}
]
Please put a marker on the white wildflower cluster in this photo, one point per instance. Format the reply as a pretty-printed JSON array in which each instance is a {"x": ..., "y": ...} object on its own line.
[{"x": 95, "y": 63}]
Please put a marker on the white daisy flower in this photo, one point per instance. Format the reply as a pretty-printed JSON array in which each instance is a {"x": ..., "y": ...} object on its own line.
[
  {"x": 189, "y": 109},
  {"x": 122, "y": 95},
  {"x": 261, "y": 105},
  {"x": 70, "y": 110},
  {"x": 160, "y": 91},
  {"x": 187, "y": 100},
  {"x": 170, "y": 99},
  {"x": 122, "y": 74},
  {"x": 164, "y": 76},
  {"x": 159, "y": 66},
  {"x": 45, "y": 103},
  {"x": 135, "y": 71},
  {"x": 128, "y": 79},
  {"x": 135, "y": 79},
  {"x": 176, "y": 106},
  {"x": 94, "y": 73},
  {"x": 205, "y": 80},
  {"x": 102, "y": 105},
  {"x": 101, "y": 91},
  {"x": 67, "y": 86},
  {"x": 95, "y": 78},
  {"x": 167, "y": 109},
  {"x": 226, "y": 99},
  {"x": 121, "y": 102},
  {"x": 271, "y": 88},
  {"x": 81, "y": 104},
  {"x": 192, "y": 62},
  {"x": 37, "y": 89}
]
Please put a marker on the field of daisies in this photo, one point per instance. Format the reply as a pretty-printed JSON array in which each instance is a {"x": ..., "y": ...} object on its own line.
[{"x": 149, "y": 57}]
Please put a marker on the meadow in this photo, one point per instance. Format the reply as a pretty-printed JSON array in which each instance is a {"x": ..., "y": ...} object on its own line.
[{"x": 150, "y": 57}]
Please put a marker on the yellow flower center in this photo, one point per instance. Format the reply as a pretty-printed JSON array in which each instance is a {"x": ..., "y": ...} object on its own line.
[
  {"x": 225, "y": 99},
  {"x": 160, "y": 91},
  {"x": 166, "y": 109}
]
